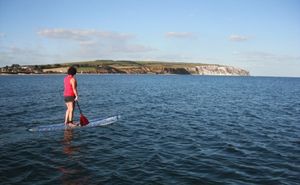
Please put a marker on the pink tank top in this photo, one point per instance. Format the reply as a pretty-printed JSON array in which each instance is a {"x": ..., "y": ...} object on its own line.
[{"x": 68, "y": 87}]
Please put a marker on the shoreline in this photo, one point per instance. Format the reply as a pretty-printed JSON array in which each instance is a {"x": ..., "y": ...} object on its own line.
[
  {"x": 129, "y": 67},
  {"x": 137, "y": 74}
]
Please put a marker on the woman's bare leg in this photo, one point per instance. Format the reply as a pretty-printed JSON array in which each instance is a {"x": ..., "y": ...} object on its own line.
[{"x": 69, "y": 112}]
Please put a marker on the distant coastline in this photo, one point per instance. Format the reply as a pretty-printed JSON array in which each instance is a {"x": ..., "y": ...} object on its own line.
[{"x": 127, "y": 67}]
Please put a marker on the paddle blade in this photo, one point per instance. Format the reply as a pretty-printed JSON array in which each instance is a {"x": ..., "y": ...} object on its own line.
[{"x": 83, "y": 120}]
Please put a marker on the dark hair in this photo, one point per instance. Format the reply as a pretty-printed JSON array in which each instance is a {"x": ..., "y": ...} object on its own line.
[{"x": 72, "y": 71}]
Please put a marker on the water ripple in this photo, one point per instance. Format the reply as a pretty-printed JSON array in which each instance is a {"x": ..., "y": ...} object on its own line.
[{"x": 174, "y": 130}]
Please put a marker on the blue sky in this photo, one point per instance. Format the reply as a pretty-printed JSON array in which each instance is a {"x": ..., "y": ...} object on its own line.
[{"x": 262, "y": 36}]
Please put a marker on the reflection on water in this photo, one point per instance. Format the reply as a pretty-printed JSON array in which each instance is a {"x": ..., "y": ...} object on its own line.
[
  {"x": 71, "y": 172},
  {"x": 68, "y": 148}
]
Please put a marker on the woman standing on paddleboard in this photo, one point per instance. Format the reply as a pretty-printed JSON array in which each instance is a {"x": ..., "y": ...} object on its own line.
[{"x": 70, "y": 95}]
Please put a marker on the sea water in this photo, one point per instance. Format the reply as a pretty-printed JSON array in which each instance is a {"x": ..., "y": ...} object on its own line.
[{"x": 175, "y": 129}]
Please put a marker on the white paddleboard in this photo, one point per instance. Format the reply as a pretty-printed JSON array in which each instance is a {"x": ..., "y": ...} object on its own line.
[{"x": 61, "y": 126}]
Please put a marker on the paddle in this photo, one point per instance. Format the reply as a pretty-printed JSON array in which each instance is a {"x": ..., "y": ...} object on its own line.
[{"x": 83, "y": 120}]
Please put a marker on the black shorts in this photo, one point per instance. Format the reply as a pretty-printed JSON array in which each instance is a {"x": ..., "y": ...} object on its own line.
[{"x": 69, "y": 98}]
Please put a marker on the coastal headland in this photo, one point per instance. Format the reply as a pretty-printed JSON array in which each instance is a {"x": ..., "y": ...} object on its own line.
[{"x": 128, "y": 67}]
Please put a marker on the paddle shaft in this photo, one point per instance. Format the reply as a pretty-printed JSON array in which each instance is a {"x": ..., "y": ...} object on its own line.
[{"x": 79, "y": 107}]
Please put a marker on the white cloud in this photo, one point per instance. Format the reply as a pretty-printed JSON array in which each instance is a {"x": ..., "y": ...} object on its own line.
[
  {"x": 2, "y": 35},
  {"x": 19, "y": 55},
  {"x": 239, "y": 38},
  {"x": 133, "y": 48},
  {"x": 180, "y": 35},
  {"x": 77, "y": 45},
  {"x": 265, "y": 57},
  {"x": 97, "y": 43},
  {"x": 82, "y": 35},
  {"x": 263, "y": 63},
  {"x": 87, "y": 43}
]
